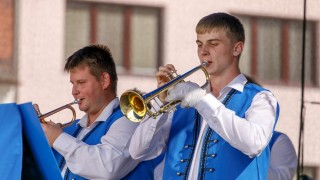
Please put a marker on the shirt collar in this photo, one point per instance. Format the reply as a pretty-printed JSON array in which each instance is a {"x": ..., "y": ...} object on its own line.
[
  {"x": 237, "y": 83},
  {"x": 107, "y": 111}
]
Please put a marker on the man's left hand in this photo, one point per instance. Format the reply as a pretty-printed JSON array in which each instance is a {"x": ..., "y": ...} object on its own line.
[{"x": 188, "y": 92}]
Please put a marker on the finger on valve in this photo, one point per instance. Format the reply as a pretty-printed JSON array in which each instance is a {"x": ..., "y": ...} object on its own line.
[{"x": 164, "y": 75}]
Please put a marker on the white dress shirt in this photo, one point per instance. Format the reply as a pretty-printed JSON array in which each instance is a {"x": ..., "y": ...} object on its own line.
[
  {"x": 109, "y": 159},
  {"x": 250, "y": 135},
  {"x": 283, "y": 159}
]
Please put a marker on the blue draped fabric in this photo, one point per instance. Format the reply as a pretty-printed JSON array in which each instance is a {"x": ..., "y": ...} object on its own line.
[
  {"x": 10, "y": 142},
  {"x": 37, "y": 142}
]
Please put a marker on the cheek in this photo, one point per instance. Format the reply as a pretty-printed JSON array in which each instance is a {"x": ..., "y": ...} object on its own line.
[
  {"x": 199, "y": 53},
  {"x": 96, "y": 92}
]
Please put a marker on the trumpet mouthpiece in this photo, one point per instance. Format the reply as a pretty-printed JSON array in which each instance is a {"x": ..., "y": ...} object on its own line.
[
  {"x": 76, "y": 101},
  {"x": 204, "y": 63}
]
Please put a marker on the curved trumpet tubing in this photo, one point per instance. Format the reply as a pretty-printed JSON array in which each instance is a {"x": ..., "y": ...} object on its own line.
[{"x": 67, "y": 106}]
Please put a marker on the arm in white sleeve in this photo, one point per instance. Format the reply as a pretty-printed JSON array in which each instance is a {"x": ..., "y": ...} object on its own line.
[
  {"x": 108, "y": 160},
  {"x": 283, "y": 159},
  {"x": 150, "y": 138},
  {"x": 251, "y": 134}
]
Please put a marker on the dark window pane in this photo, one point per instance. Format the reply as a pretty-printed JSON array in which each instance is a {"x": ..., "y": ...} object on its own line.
[
  {"x": 269, "y": 62},
  {"x": 77, "y": 27}
]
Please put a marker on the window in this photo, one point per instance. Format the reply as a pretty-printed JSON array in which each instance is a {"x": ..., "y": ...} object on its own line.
[
  {"x": 273, "y": 50},
  {"x": 133, "y": 33},
  {"x": 8, "y": 75}
]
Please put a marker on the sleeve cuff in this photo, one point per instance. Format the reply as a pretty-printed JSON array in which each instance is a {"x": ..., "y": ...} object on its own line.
[
  {"x": 62, "y": 143},
  {"x": 208, "y": 101}
]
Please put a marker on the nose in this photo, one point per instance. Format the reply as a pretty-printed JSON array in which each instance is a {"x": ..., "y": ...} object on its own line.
[
  {"x": 203, "y": 51},
  {"x": 75, "y": 90}
]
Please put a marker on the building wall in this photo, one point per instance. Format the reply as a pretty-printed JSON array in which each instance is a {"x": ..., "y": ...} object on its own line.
[{"x": 40, "y": 56}]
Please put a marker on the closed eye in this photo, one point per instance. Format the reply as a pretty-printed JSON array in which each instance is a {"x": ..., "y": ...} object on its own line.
[{"x": 213, "y": 44}]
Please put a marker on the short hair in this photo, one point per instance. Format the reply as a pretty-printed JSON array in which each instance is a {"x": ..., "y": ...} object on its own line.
[
  {"x": 230, "y": 23},
  {"x": 99, "y": 60}
]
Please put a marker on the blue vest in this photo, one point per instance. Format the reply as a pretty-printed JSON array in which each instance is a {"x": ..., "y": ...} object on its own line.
[
  {"x": 143, "y": 171},
  {"x": 219, "y": 160},
  {"x": 275, "y": 136}
]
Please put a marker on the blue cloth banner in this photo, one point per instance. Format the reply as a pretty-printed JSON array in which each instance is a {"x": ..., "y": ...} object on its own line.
[
  {"x": 37, "y": 142},
  {"x": 10, "y": 142}
]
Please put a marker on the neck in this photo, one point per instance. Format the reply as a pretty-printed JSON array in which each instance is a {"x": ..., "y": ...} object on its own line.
[
  {"x": 92, "y": 116},
  {"x": 219, "y": 82}
]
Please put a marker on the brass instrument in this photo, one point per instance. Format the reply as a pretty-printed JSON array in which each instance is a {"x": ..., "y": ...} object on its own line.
[
  {"x": 67, "y": 106},
  {"x": 135, "y": 106}
]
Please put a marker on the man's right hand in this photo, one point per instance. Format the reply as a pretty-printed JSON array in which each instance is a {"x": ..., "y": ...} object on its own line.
[
  {"x": 163, "y": 76},
  {"x": 52, "y": 131}
]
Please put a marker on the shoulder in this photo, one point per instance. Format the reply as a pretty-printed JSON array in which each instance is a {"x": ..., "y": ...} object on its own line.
[
  {"x": 281, "y": 140},
  {"x": 249, "y": 86}
]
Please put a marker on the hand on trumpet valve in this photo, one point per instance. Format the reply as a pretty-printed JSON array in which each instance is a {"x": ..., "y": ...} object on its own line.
[
  {"x": 164, "y": 75},
  {"x": 51, "y": 130},
  {"x": 188, "y": 92}
]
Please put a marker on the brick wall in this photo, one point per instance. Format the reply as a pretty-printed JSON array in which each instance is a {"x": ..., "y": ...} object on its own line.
[{"x": 6, "y": 36}]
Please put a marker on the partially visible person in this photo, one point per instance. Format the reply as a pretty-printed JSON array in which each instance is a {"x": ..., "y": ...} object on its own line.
[
  {"x": 96, "y": 146},
  {"x": 283, "y": 157},
  {"x": 221, "y": 131}
]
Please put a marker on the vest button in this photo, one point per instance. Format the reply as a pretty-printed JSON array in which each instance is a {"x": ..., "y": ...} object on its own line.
[
  {"x": 213, "y": 155},
  {"x": 182, "y": 160},
  {"x": 210, "y": 169},
  {"x": 186, "y": 146},
  {"x": 215, "y": 141},
  {"x": 178, "y": 174}
]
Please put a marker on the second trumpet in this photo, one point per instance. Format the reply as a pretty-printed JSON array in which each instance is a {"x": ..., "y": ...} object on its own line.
[{"x": 136, "y": 106}]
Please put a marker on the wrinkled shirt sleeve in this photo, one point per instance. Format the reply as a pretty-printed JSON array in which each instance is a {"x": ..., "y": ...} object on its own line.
[
  {"x": 150, "y": 138},
  {"x": 108, "y": 160},
  {"x": 250, "y": 134}
]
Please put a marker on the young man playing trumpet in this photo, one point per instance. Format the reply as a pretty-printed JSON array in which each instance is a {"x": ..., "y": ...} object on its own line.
[
  {"x": 96, "y": 146},
  {"x": 220, "y": 132}
]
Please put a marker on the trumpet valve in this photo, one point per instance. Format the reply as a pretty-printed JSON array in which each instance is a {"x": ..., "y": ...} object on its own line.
[
  {"x": 172, "y": 75},
  {"x": 36, "y": 107}
]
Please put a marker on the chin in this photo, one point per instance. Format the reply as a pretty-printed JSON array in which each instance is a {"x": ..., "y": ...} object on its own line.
[{"x": 81, "y": 108}]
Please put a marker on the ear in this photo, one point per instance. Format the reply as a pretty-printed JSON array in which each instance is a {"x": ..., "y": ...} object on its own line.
[
  {"x": 105, "y": 80},
  {"x": 238, "y": 48}
]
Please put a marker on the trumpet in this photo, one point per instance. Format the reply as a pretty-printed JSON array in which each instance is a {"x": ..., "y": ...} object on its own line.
[
  {"x": 67, "y": 106},
  {"x": 136, "y": 106}
]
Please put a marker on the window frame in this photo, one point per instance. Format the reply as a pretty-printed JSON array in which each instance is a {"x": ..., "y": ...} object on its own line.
[
  {"x": 126, "y": 68},
  {"x": 284, "y": 52}
]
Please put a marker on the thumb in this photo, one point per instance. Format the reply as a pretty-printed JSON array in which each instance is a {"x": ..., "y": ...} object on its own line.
[
  {"x": 184, "y": 104},
  {"x": 169, "y": 98}
]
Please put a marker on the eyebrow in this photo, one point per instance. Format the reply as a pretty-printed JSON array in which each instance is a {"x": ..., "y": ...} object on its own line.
[{"x": 210, "y": 40}]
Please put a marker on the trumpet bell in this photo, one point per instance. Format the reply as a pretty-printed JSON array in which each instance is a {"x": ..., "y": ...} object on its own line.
[{"x": 133, "y": 106}]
